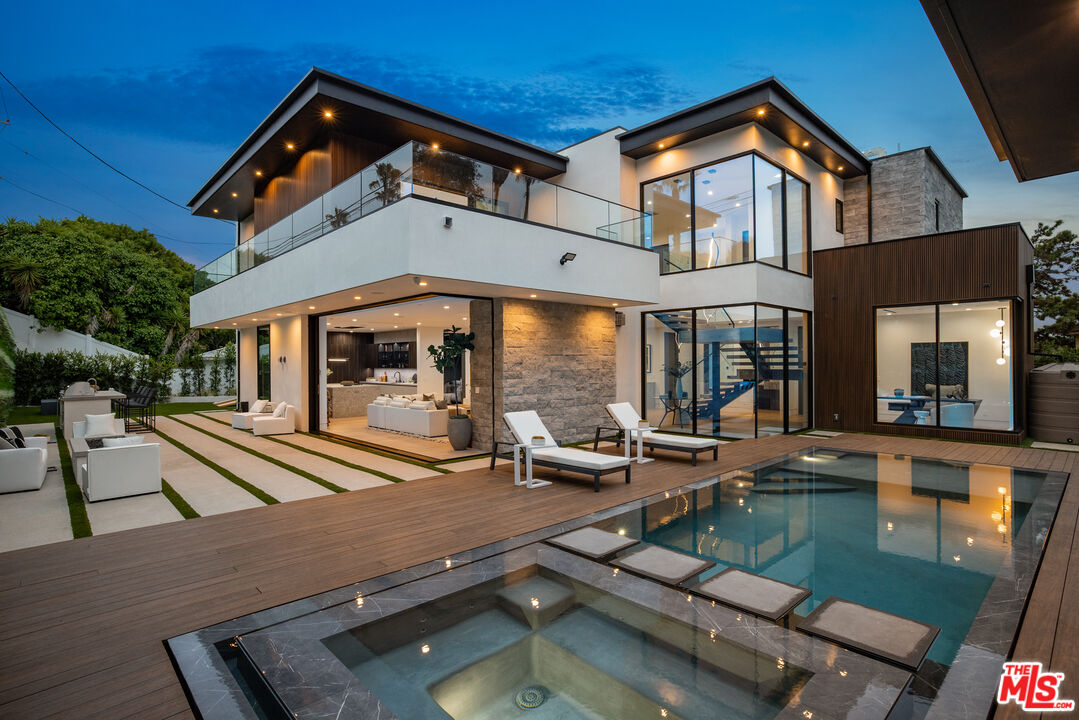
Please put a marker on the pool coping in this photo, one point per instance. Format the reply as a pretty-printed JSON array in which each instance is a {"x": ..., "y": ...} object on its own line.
[{"x": 971, "y": 680}]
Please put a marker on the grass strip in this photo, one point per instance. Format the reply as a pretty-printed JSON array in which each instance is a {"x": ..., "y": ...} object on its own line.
[
  {"x": 484, "y": 456},
  {"x": 232, "y": 477},
  {"x": 279, "y": 463},
  {"x": 354, "y": 446},
  {"x": 174, "y": 497},
  {"x": 339, "y": 461},
  {"x": 76, "y": 505}
]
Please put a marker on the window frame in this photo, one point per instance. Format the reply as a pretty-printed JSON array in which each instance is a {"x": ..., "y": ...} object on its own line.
[
  {"x": 808, "y": 251},
  {"x": 839, "y": 224}
]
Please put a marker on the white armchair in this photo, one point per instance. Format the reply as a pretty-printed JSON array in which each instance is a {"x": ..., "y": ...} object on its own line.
[
  {"x": 23, "y": 468},
  {"x": 114, "y": 472},
  {"x": 276, "y": 424}
]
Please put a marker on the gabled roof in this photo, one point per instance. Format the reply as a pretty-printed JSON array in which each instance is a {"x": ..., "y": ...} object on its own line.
[{"x": 783, "y": 114}]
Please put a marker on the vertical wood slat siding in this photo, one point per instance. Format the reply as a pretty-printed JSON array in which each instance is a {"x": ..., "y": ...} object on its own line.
[
  {"x": 287, "y": 193},
  {"x": 967, "y": 265}
]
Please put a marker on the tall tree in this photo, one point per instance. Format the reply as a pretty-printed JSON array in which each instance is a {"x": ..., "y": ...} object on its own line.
[
  {"x": 25, "y": 276},
  {"x": 1056, "y": 273}
]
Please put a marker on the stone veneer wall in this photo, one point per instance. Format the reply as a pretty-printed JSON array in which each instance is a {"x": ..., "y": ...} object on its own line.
[
  {"x": 905, "y": 188},
  {"x": 555, "y": 358},
  {"x": 855, "y": 211}
]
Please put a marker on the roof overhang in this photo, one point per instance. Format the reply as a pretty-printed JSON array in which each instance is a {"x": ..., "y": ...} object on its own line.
[
  {"x": 784, "y": 115},
  {"x": 362, "y": 111},
  {"x": 1019, "y": 64}
]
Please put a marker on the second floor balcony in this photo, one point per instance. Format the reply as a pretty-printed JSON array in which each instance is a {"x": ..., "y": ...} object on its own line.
[{"x": 420, "y": 170}]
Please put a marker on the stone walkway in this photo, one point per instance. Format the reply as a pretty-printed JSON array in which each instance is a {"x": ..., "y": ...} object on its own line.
[{"x": 40, "y": 517}]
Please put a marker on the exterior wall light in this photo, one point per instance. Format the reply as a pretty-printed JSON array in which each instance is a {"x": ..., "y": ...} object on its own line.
[
  {"x": 567, "y": 257},
  {"x": 447, "y": 222}
]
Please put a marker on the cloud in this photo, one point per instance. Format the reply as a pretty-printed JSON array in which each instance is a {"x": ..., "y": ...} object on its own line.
[{"x": 227, "y": 90}]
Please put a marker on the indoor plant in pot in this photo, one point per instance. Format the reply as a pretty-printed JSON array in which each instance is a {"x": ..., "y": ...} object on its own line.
[{"x": 453, "y": 346}]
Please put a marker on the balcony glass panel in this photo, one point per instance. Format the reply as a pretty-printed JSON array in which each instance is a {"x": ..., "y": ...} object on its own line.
[
  {"x": 724, "y": 213},
  {"x": 668, "y": 201},
  {"x": 416, "y": 169},
  {"x": 768, "y": 186}
]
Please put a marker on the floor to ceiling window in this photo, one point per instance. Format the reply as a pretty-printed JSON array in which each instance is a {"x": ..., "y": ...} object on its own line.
[
  {"x": 738, "y": 210},
  {"x": 735, "y": 371},
  {"x": 945, "y": 365},
  {"x": 262, "y": 339}
]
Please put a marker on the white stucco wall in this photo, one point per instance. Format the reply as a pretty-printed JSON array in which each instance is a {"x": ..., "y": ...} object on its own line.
[
  {"x": 288, "y": 340},
  {"x": 595, "y": 166},
  {"x": 247, "y": 363}
]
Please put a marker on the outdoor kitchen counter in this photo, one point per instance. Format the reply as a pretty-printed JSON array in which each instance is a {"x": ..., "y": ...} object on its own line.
[{"x": 352, "y": 400}]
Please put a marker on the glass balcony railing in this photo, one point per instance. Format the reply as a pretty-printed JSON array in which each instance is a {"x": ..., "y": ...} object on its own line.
[{"x": 416, "y": 169}]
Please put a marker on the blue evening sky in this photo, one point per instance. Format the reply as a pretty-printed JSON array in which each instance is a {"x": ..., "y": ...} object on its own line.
[{"x": 165, "y": 91}]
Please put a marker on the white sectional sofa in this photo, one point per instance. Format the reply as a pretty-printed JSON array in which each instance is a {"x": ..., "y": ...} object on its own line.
[
  {"x": 281, "y": 422},
  {"x": 415, "y": 417},
  {"x": 24, "y": 468},
  {"x": 116, "y": 472}
]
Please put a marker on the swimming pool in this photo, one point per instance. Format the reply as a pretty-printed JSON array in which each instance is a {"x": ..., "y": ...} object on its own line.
[{"x": 492, "y": 632}]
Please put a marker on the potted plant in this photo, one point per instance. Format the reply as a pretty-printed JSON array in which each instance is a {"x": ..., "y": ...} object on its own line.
[{"x": 444, "y": 356}]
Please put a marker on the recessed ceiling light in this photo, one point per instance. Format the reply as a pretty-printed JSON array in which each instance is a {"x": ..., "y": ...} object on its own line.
[
  {"x": 805, "y": 143},
  {"x": 258, "y": 173},
  {"x": 235, "y": 195},
  {"x": 215, "y": 211},
  {"x": 517, "y": 170},
  {"x": 233, "y": 323},
  {"x": 357, "y": 297},
  {"x": 394, "y": 326},
  {"x": 532, "y": 295},
  {"x": 353, "y": 320},
  {"x": 419, "y": 323},
  {"x": 661, "y": 146},
  {"x": 464, "y": 318},
  {"x": 434, "y": 146},
  {"x": 760, "y": 112},
  {"x": 278, "y": 314},
  {"x": 397, "y": 314},
  {"x": 290, "y": 146},
  {"x": 445, "y": 307},
  {"x": 254, "y": 319},
  {"x": 327, "y": 113},
  {"x": 310, "y": 307},
  {"x": 423, "y": 283},
  {"x": 215, "y": 327},
  {"x": 841, "y": 168},
  {"x": 614, "y": 304}
]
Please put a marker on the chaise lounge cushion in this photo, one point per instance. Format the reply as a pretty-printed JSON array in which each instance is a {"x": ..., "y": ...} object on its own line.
[
  {"x": 627, "y": 418},
  {"x": 526, "y": 424},
  {"x": 579, "y": 458}
]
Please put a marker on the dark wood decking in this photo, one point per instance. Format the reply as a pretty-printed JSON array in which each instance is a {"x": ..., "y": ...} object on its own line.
[{"x": 82, "y": 622}]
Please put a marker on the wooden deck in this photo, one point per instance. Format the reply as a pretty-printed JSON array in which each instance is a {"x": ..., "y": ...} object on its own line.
[{"x": 82, "y": 622}]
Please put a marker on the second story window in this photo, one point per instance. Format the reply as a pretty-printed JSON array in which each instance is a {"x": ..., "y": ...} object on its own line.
[{"x": 739, "y": 210}]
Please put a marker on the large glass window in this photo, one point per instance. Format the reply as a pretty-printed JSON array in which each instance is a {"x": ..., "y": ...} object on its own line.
[
  {"x": 730, "y": 212},
  {"x": 946, "y": 365},
  {"x": 738, "y": 371},
  {"x": 669, "y": 201},
  {"x": 723, "y": 195}
]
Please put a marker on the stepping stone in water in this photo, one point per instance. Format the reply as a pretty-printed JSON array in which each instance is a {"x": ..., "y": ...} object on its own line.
[
  {"x": 666, "y": 566},
  {"x": 872, "y": 632},
  {"x": 592, "y": 542},
  {"x": 755, "y": 594}
]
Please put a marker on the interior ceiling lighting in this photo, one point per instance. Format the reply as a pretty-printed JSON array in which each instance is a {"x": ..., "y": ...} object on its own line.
[
  {"x": 840, "y": 168},
  {"x": 999, "y": 331}
]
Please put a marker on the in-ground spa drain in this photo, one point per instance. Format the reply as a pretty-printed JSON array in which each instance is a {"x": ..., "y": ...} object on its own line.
[{"x": 531, "y": 697}]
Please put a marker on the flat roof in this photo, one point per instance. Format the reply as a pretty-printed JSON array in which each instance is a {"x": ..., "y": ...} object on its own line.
[
  {"x": 783, "y": 114},
  {"x": 1019, "y": 64},
  {"x": 365, "y": 112}
]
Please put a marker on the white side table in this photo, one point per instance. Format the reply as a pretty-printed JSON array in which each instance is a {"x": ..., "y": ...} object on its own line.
[
  {"x": 529, "y": 482},
  {"x": 641, "y": 459}
]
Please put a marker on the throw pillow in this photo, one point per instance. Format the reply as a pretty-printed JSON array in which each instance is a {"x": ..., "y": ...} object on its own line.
[
  {"x": 5, "y": 445},
  {"x": 280, "y": 410},
  {"x": 423, "y": 405},
  {"x": 98, "y": 425},
  {"x": 430, "y": 396},
  {"x": 122, "y": 442},
  {"x": 257, "y": 406},
  {"x": 440, "y": 404}
]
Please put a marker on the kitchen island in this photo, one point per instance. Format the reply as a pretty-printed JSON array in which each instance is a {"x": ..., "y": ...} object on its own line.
[{"x": 352, "y": 400}]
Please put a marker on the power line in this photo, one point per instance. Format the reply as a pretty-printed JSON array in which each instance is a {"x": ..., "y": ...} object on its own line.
[
  {"x": 48, "y": 199},
  {"x": 106, "y": 197},
  {"x": 88, "y": 150}
]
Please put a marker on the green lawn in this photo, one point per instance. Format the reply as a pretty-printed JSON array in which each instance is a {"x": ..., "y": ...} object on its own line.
[{"x": 25, "y": 414}]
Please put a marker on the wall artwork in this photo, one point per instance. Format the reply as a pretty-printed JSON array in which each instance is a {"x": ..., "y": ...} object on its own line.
[{"x": 923, "y": 365}]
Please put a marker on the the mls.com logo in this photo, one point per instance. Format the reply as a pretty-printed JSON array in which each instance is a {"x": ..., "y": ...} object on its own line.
[{"x": 1031, "y": 689}]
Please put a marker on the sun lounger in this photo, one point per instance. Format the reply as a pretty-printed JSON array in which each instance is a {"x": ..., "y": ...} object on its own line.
[
  {"x": 626, "y": 418},
  {"x": 526, "y": 425}
]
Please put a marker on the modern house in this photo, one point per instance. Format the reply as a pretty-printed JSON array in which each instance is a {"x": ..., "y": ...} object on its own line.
[{"x": 735, "y": 269}]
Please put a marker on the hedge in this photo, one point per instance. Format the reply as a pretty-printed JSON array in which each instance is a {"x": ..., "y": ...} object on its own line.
[
  {"x": 45, "y": 375},
  {"x": 7, "y": 369}
]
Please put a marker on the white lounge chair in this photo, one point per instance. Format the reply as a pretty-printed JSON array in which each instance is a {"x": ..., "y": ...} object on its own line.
[
  {"x": 626, "y": 418},
  {"x": 23, "y": 468},
  {"x": 242, "y": 420},
  {"x": 526, "y": 424},
  {"x": 281, "y": 422}
]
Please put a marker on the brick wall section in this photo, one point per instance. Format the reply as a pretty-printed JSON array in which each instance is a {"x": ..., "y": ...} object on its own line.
[
  {"x": 555, "y": 358},
  {"x": 855, "y": 211}
]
